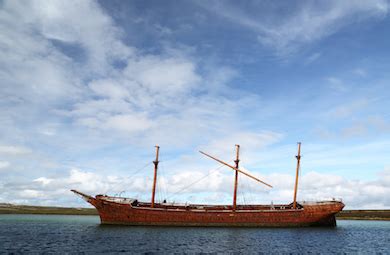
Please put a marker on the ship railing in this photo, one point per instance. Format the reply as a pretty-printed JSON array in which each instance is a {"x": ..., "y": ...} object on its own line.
[
  {"x": 322, "y": 201},
  {"x": 121, "y": 200}
]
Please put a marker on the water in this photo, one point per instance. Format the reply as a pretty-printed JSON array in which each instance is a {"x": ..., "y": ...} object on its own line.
[{"x": 84, "y": 234}]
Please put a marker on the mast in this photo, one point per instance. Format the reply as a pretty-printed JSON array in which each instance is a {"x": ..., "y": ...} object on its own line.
[
  {"x": 155, "y": 175},
  {"x": 296, "y": 176},
  {"x": 236, "y": 177}
]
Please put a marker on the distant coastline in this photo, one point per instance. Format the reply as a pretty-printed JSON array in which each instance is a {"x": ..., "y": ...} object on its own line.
[
  {"x": 364, "y": 215},
  {"x": 30, "y": 209}
]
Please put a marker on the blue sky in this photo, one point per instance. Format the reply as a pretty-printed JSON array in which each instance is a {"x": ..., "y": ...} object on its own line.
[{"x": 88, "y": 88}]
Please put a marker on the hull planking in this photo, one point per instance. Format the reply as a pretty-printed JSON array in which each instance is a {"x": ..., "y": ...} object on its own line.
[{"x": 121, "y": 211}]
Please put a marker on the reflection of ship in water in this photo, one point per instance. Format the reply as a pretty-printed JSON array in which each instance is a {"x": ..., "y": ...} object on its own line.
[{"x": 127, "y": 211}]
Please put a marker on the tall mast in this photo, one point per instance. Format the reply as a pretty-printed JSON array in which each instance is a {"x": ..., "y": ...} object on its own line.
[
  {"x": 236, "y": 177},
  {"x": 296, "y": 176},
  {"x": 155, "y": 175}
]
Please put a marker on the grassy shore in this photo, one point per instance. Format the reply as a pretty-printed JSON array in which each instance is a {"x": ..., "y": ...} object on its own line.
[
  {"x": 364, "y": 215},
  {"x": 28, "y": 209}
]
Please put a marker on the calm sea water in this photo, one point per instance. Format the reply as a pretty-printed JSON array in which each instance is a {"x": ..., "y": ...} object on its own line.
[{"x": 84, "y": 234}]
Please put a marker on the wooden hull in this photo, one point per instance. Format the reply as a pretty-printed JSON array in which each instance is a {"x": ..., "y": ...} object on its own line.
[{"x": 315, "y": 214}]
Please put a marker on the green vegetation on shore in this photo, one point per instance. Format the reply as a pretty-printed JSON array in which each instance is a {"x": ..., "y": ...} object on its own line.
[
  {"x": 29, "y": 209},
  {"x": 364, "y": 215}
]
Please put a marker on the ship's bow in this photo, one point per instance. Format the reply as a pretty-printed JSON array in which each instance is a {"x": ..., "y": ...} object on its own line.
[{"x": 86, "y": 197}]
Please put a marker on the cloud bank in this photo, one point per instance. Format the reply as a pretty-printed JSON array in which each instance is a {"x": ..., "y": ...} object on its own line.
[{"x": 214, "y": 186}]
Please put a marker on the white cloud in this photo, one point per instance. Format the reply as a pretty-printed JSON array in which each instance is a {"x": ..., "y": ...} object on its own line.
[
  {"x": 108, "y": 88},
  {"x": 43, "y": 180},
  {"x": 127, "y": 123},
  {"x": 153, "y": 92},
  {"x": 13, "y": 150},
  {"x": 290, "y": 30},
  {"x": 215, "y": 186},
  {"x": 250, "y": 142},
  {"x": 33, "y": 71},
  {"x": 30, "y": 194},
  {"x": 97, "y": 34},
  {"x": 163, "y": 75},
  {"x": 43, "y": 70},
  {"x": 314, "y": 180},
  {"x": 4, "y": 164},
  {"x": 384, "y": 176}
]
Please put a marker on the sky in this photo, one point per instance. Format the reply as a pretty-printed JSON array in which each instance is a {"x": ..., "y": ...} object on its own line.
[{"x": 88, "y": 88}]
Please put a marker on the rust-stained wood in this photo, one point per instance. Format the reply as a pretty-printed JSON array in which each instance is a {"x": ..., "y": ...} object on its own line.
[
  {"x": 235, "y": 168},
  {"x": 315, "y": 214}
]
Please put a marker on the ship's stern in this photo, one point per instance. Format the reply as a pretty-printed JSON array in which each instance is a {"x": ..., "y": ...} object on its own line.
[{"x": 327, "y": 212}]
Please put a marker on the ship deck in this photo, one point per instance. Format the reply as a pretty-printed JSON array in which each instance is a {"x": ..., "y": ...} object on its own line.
[{"x": 135, "y": 204}]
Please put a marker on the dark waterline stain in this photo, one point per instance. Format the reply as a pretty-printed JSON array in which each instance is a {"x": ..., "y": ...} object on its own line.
[{"x": 84, "y": 234}]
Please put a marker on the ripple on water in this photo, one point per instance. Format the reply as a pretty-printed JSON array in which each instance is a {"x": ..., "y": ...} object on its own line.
[{"x": 65, "y": 234}]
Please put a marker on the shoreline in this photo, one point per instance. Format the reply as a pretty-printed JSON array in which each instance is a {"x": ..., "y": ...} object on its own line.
[
  {"x": 52, "y": 210},
  {"x": 31, "y": 209},
  {"x": 363, "y": 215}
]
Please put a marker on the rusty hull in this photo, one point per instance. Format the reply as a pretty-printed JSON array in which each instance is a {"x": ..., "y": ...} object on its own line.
[{"x": 313, "y": 214}]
